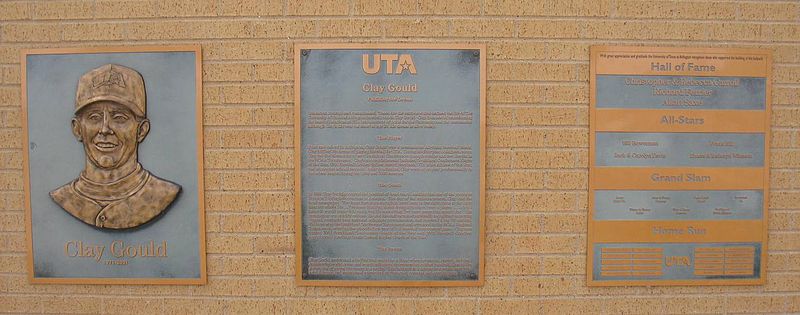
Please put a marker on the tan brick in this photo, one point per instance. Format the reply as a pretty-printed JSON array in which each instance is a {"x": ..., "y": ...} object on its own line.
[
  {"x": 564, "y": 265},
  {"x": 783, "y": 262},
  {"x": 12, "y": 264},
  {"x": 782, "y": 158},
  {"x": 272, "y": 159},
  {"x": 69, "y": 305},
  {"x": 531, "y": 71},
  {"x": 544, "y": 159},
  {"x": 321, "y": 7},
  {"x": 545, "y": 286},
  {"x": 273, "y": 72},
  {"x": 539, "y": 51},
  {"x": 501, "y": 116},
  {"x": 256, "y": 307},
  {"x": 93, "y": 32},
  {"x": 351, "y": 28},
  {"x": 492, "y": 287},
  {"x": 272, "y": 116},
  {"x": 278, "y": 287},
  {"x": 676, "y": 10},
  {"x": 512, "y": 265},
  {"x": 448, "y": 306},
  {"x": 285, "y": 28},
  {"x": 499, "y": 159},
  {"x": 10, "y": 74},
  {"x": 12, "y": 222},
  {"x": 280, "y": 244},
  {"x": 262, "y": 223},
  {"x": 242, "y": 51},
  {"x": 63, "y": 10},
  {"x": 636, "y": 305},
  {"x": 257, "y": 265},
  {"x": 218, "y": 244},
  {"x": 10, "y": 180},
  {"x": 227, "y": 116},
  {"x": 515, "y": 179},
  {"x": 784, "y": 241},
  {"x": 515, "y": 93},
  {"x": 11, "y": 200},
  {"x": 133, "y": 306},
  {"x": 785, "y": 95},
  {"x": 483, "y": 28},
  {"x": 252, "y": 94},
  {"x": 541, "y": 201},
  {"x": 211, "y": 95},
  {"x": 229, "y": 201},
  {"x": 547, "y": 116},
  {"x": 513, "y": 223},
  {"x": 519, "y": 138},
  {"x": 499, "y": 244},
  {"x": 782, "y": 138},
  {"x": 775, "y": 304},
  {"x": 10, "y": 160},
  {"x": 9, "y": 96},
  {"x": 16, "y": 10},
  {"x": 15, "y": 243},
  {"x": 550, "y": 29},
  {"x": 786, "y": 74},
  {"x": 227, "y": 159},
  {"x": 782, "y": 282},
  {"x": 567, "y": 180},
  {"x": 393, "y": 306},
  {"x": 782, "y": 221},
  {"x": 193, "y": 306},
  {"x": 417, "y": 28},
  {"x": 548, "y": 244},
  {"x": 251, "y": 7},
  {"x": 547, "y": 8},
  {"x": 177, "y": 8},
  {"x": 274, "y": 201},
  {"x": 313, "y": 306},
  {"x": 254, "y": 138},
  {"x": 21, "y": 304},
  {"x": 223, "y": 287},
  {"x": 499, "y": 201},
  {"x": 765, "y": 11},
  {"x": 386, "y": 7},
  {"x": 784, "y": 200},
  {"x": 31, "y": 32},
  {"x": 564, "y": 223},
  {"x": 227, "y": 72},
  {"x": 114, "y": 9},
  {"x": 256, "y": 180}
]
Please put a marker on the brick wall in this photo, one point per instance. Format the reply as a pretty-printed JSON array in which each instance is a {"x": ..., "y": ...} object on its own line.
[{"x": 537, "y": 146}]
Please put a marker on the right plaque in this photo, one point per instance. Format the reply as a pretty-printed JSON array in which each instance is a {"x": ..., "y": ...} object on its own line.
[{"x": 679, "y": 166}]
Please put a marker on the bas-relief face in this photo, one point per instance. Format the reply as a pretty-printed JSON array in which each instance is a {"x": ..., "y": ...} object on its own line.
[{"x": 110, "y": 133}]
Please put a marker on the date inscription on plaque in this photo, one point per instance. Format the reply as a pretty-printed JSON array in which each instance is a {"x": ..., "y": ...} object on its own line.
[
  {"x": 679, "y": 166},
  {"x": 389, "y": 164}
]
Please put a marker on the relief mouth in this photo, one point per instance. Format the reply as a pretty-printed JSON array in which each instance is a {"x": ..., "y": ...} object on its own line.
[{"x": 105, "y": 146}]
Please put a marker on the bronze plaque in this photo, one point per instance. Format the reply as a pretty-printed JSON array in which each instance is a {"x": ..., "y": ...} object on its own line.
[
  {"x": 679, "y": 166},
  {"x": 113, "y": 165},
  {"x": 389, "y": 160}
]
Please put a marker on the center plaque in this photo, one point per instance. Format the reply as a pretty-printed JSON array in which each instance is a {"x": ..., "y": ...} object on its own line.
[{"x": 389, "y": 160}]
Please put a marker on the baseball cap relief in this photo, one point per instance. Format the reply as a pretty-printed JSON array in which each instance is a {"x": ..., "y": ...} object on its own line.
[{"x": 114, "y": 83}]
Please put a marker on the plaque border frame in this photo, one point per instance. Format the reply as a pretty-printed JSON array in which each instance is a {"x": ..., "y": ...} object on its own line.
[
  {"x": 201, "y": 229},
  {"x": 595, "y": 50},
  {"x": 298, "y": 224}
]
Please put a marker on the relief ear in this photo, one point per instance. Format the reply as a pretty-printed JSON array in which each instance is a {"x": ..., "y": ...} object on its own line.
[
  {"x": 144, "y": 129},
  {"x": 76, "y": 129}
]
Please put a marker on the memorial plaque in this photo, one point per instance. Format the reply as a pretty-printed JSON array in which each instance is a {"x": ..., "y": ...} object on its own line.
[
  {"x": 679, "y": 166},
  {"x": 389, "y": 164},
  {"x": 114, "y": 165}
]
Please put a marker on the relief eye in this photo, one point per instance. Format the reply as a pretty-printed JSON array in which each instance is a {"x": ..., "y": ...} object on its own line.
[
  {"x": 120, "y": 117},
  {"x": 95, "y": 116}
]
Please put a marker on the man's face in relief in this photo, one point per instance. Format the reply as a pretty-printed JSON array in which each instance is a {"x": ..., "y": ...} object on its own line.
[{"x": 110, "y": 133}]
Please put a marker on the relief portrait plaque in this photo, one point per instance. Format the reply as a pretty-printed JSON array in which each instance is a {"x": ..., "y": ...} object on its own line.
[
  {"x": 113, "y": 165},
  {"x": 389, "y": 164},
  {"x": 679, "y": 166}
]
